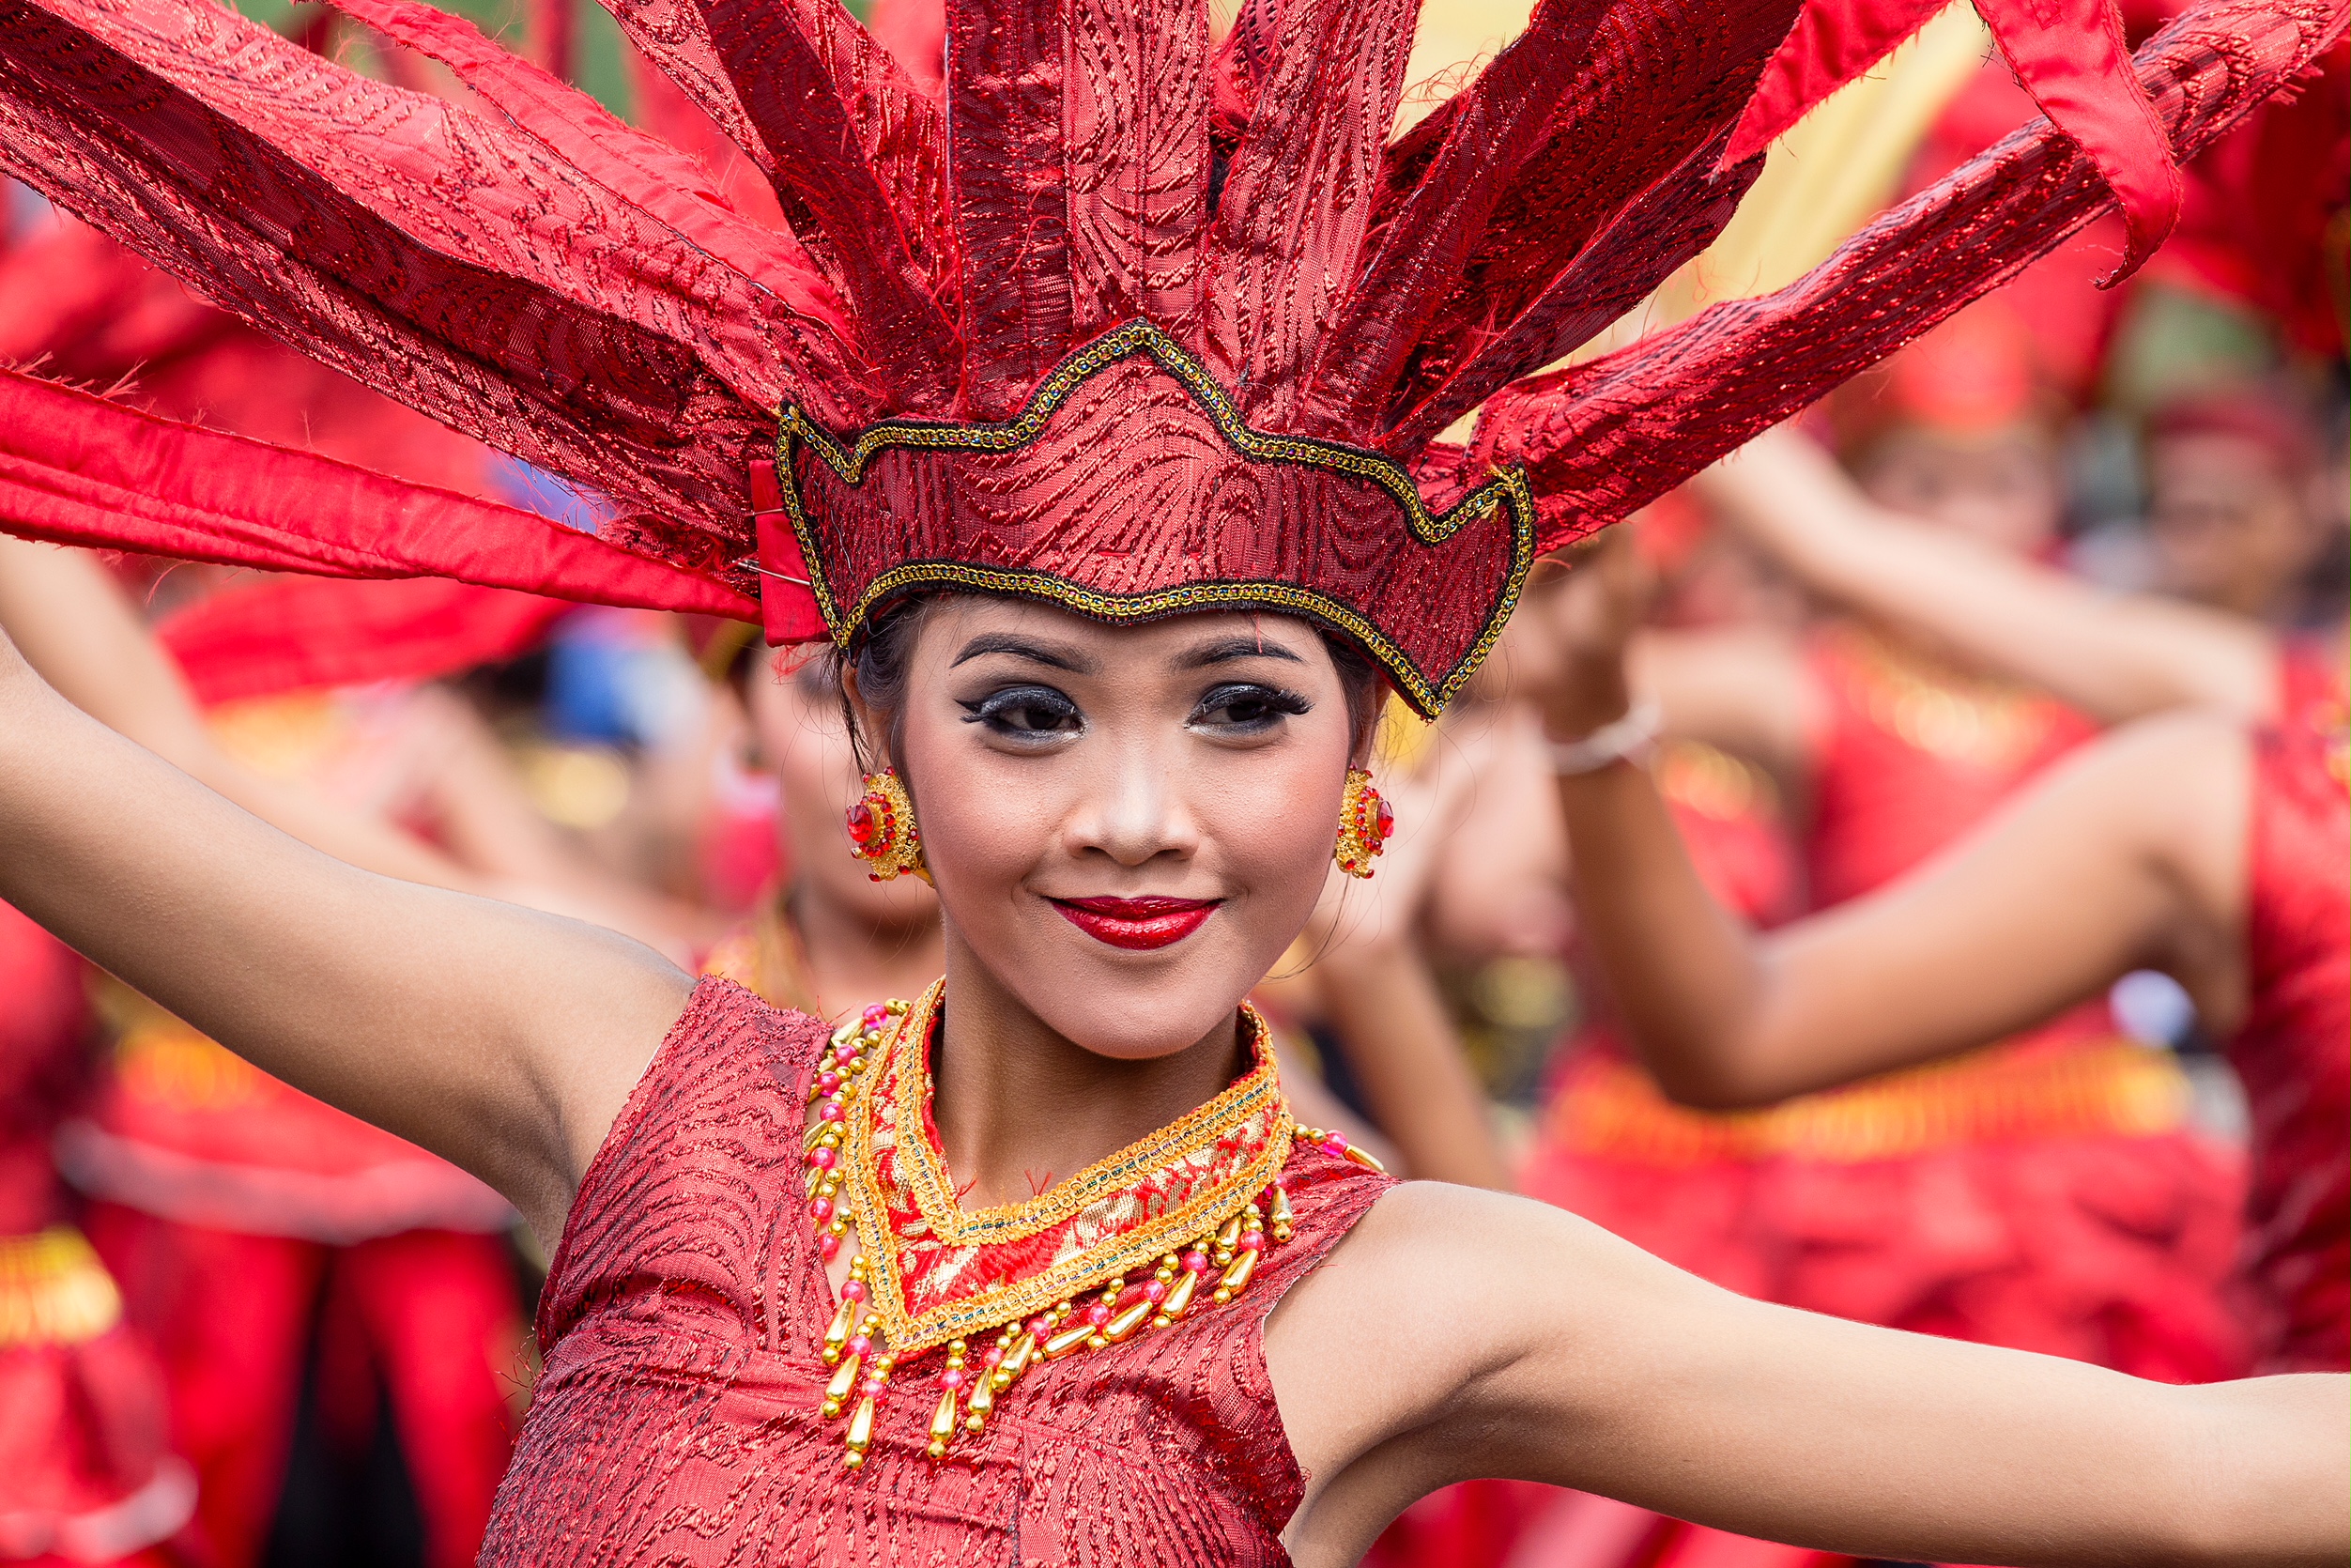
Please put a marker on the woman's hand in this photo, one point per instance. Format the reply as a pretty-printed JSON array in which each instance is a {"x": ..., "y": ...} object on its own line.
[{"x": 1566, "y": 644}]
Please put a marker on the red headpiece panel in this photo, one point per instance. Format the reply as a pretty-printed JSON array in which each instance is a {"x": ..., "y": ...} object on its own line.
[{"x": 1128, "y": 487}]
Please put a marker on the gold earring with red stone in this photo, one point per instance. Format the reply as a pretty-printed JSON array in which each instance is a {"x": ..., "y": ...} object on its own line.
[
  {"x": 1365, "y": 820},
  {"x": 882, "y": 830}
]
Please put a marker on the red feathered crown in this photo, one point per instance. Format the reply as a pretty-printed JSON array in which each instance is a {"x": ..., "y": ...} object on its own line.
[{"x": 1121, "y": 319}]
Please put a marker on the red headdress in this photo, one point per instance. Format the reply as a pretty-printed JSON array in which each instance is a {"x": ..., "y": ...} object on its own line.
[{"x": 1121, "y": 319}]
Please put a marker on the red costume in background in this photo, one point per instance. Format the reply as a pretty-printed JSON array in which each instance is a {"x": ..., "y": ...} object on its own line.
[
  {"x": 2055, "y": 1198},
  {"x": 85, "y": 1472},
  {"x": 2043, "y": 1193},
  {"x": 2293, "y": 1052},
  {"x": 240, "y": 1215}
]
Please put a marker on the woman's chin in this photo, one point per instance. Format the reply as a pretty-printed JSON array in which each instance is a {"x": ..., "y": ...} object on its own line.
[{"x": 1135, "y": 1003}]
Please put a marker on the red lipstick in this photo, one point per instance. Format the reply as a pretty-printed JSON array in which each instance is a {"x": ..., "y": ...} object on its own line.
[{"x": 1137, "y": 925}]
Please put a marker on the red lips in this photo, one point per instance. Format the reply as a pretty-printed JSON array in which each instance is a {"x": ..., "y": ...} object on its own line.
[{"x": 1137, "y": 925}]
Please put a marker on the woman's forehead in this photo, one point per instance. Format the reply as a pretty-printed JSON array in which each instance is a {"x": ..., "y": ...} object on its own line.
[{"x": 961, "y": 624}]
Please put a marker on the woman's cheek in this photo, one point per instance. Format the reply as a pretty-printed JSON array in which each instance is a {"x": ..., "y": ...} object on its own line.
[
  {"x": 1277, "y": 826},
  {"x": 986, "y": 834}
]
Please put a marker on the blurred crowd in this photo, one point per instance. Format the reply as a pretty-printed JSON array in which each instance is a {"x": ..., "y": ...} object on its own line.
[{"x": 1868, "y": 658}]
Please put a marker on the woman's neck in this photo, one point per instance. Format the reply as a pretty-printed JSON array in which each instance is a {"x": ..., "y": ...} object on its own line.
[
  {"x": 852, "y": 961},
  {"x": 1020, "y": 1107}
]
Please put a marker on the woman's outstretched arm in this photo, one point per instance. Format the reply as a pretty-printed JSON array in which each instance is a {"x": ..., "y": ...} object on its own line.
[
  {"x": 2115, "y": 657},
  {"x": 77, "y": 628},
  {"x": 502, "y": 1040},
  {"x": 1521, "y": 1341},
  {"x": 2128, "y": 855}
]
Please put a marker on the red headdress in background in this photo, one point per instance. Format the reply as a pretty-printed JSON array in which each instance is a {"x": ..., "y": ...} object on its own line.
[
  {"x": 1160, "y": 325},
  {"x": 1977, "y": 375}
]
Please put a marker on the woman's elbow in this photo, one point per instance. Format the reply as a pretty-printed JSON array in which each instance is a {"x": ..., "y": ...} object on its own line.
[{"x": 1711, "y": 1079}]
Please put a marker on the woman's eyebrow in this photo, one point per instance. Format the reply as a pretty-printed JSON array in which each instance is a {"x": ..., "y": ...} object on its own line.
[
  {"x": 1225, "y": 650},
  {"x": 1059, "y": 656}
]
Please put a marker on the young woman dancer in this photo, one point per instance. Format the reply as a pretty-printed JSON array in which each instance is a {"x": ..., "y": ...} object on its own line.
[
  {"x": 1101, "y": 437},
  {"x": 832, "y": 937}
]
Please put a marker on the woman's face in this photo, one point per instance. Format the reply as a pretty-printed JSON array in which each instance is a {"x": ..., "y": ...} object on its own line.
[
  {"x": 2001, "y": 487},
  {"x": 804, "y": 737},
  {"x": 2228, "y": 522},
  {"x": 1126, "y": 825}
]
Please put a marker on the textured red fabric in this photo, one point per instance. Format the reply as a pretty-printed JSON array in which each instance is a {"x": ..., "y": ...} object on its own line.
[
  {"x": 2068, "y": 317},
  {"x": 2069, "y": 54},
  {"x": 676, "y": 1417},
  {"x": 1604, "y": 439},
  {"x": 298, "y": 633},
  {"x": 87, "y": 312},
  {"x": 79, "y": 469},
  {"x": 2293, "y": 1053},
  {"x": 2264, "y": 220}
]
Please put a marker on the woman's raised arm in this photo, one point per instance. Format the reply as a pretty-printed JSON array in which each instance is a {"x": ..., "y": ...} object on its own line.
[
  {"x": 1550, "y": 1350},
  {"x": 2115, "y": 657},
  {"x": 502, "y": 1040},
  {"x": 2128, "y": 855}
]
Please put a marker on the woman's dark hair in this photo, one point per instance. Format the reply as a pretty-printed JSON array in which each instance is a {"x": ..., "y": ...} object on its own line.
[{"x": 879, "y": 654}]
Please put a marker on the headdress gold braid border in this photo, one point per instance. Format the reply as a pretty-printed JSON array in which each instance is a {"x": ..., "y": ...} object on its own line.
[
  {"x": 908, "y": 1335},
  {"x": 1508, "y": 489}
]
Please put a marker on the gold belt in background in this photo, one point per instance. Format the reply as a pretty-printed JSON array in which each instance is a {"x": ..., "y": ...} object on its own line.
[{"x": 1609, "y": 1107}]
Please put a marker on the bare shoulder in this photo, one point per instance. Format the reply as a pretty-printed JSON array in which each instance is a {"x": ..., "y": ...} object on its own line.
[
  {"x": 592, "y": 1049},
  {"x": 1421, "y": 1288}
]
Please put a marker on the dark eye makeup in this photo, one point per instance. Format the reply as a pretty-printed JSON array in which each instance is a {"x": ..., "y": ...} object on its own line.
[
  {"x": 1026, "y": 711},
  {"x": 1247, "y": 707}
]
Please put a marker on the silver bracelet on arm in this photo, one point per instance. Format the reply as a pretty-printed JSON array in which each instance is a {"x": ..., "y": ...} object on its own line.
[{"x": 1628, "y": 739}]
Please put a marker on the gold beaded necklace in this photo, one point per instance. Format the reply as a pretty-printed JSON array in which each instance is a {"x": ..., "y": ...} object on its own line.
[{"x": 1172, "y": 1224}]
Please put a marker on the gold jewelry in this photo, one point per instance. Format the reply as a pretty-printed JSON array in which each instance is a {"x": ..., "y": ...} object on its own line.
[
  {"x": 1365, "y": 820},
  {"x": 882, "y": 830},
  {"x": 1172, "y": 1226}
]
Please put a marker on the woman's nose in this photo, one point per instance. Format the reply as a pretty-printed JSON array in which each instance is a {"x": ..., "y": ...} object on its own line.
[{"x": 1136, "y": 813}]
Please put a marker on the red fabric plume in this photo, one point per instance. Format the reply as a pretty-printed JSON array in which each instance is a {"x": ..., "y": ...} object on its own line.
[
  {"x": 1604, "y": 439},
  {"x": 78, "y": 470},
  {"x": 2069, "y": 54},
  {"x": 297, "y": 634}
]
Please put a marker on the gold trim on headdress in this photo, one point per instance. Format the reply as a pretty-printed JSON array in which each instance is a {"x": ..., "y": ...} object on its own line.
[{"x": 850, "y": 457}]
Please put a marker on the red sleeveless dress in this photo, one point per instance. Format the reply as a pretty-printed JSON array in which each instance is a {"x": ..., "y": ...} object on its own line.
[
  {"x": 676, "y": 1420},
  {"x": 2294, "y": 1054}
]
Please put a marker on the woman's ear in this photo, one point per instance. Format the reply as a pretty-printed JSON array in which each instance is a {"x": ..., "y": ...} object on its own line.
[{"x": 868, "y": 727}]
